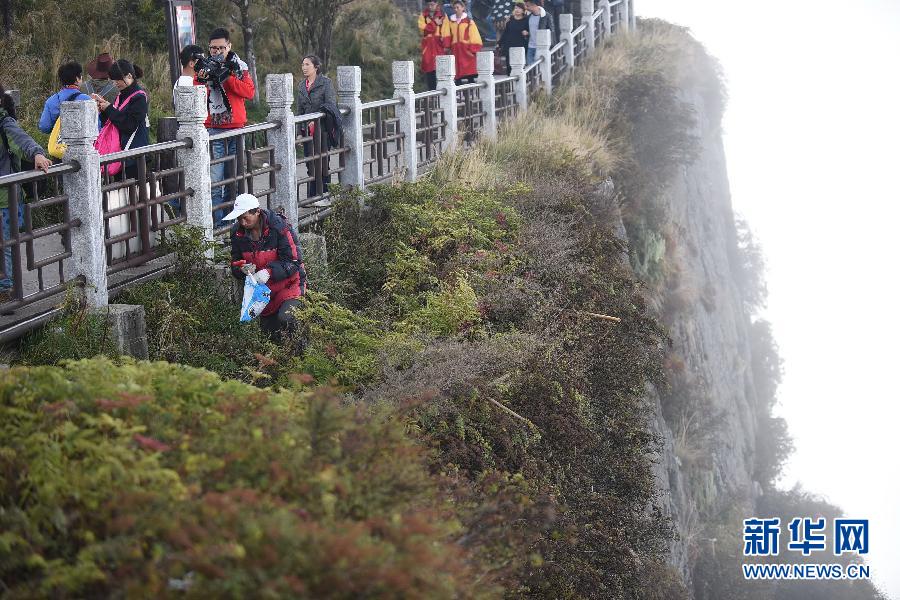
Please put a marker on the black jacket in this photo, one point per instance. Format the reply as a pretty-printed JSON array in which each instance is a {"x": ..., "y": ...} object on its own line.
[
  {"x": 132, "y": 119},
  {"x": 512, "y": 35}
]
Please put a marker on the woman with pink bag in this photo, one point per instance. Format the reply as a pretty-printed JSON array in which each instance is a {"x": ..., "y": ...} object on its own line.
[
  {"x": 127, "y": 115},
  {"x": 125, "y": 127}
]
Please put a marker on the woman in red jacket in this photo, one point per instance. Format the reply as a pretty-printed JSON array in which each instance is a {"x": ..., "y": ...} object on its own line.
[
  {"x": 433, "y": 27},
  {"x": 464, "y": 42}
]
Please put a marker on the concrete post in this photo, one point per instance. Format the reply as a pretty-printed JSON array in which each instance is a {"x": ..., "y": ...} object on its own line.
[
  {"x": 280, "y": 98},
  {"x": 566, "y": 24},
  {"x": 128, "y": 328},
  {"x": 404, "y": 76},
  {"x": 446, "y": 72},
  {"x": 190, "y": 109},
  {"x": 543, "y": 52},
  {"x": 349, "y": 88},
  {"x": 79, "y": 131},
  {"x": 517, "y": 70},
  {"x": 587, "y": 19},
  {"x": 624, "y": 15},
  {"x": 632, "y": 24},
  {"x": 607, "y": 18},
  {"x": 485, "y": 66}
]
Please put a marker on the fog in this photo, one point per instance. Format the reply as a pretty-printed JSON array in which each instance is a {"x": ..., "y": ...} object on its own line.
[{"x": 811, "y": 133}]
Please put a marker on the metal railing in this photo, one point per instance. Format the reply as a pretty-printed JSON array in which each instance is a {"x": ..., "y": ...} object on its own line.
[
  {"x": 599, "y": 34},
  {"x": 431, "y": 127},
  {"x": 505, "y": 98},
  {"x": 382, "y": 140},
  {"x": 615, "y": 16},
  {"x": 533, "y": 78},
  {"x": 247, "y": 165},
  {"x": 558, "y": 66},
  {"x": 318, "y": 162},
  {"x": 140, "y": 202},
  {"x": 36, "y": 242},
  {"x": 580, "y": 44},
  {"x": 470, "y": 112}
]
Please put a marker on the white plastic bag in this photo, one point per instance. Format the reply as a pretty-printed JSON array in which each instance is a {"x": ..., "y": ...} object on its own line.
[{"x": 256, "y": 298}]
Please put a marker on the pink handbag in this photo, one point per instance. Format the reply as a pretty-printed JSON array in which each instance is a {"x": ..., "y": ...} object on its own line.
[{"x": 109, "y": 141}]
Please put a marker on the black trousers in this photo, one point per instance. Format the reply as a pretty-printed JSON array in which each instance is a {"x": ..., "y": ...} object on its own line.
[
  {"x": 431, "y": 80},
  {"x": 319, "y": 185},
  {"x": 281, "y": 322}
]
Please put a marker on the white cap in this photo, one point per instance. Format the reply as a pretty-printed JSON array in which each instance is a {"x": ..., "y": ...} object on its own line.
[{"x": 242, "y": 204}]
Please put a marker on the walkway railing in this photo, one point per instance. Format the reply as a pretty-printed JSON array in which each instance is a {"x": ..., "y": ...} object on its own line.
[{"x": 103, "y": 231}]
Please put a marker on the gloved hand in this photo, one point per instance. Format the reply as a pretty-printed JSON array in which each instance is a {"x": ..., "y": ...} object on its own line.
[
  {"x": 263, "y": 276},
  {"x": 248, "y": 268}
]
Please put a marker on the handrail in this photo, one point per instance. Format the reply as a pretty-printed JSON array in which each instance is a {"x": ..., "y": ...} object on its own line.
[
  {"x": 149, "y": 149},
  {"x": 310, "y": 116},
  {"x": 504, "y": 79},
  {"x": 381, "y": 103},
  {"x": 533, "y": 66},
  {"x": 265, "y": 126},
  {"x": 614, "y": 3},
  {"x": 429, "y": 94},
  {"x": 468, "y": 86},
  {"x": 35, "y": 175},
  {"x": 558, "y": 47},
  {"x": 579, "y": 29}
]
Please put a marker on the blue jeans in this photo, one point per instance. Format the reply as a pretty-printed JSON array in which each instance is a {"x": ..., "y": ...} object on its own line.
[
  {"x": 530, "y": 56},
  {"x": 6, "y": 282},
  {"x": 219, "y": 172}
]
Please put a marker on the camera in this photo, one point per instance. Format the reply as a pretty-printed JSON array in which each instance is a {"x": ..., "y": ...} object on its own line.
[{"x": 217, "y": 68}]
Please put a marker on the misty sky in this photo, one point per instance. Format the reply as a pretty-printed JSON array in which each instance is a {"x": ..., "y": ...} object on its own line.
[{"x": 812, "y": 130}]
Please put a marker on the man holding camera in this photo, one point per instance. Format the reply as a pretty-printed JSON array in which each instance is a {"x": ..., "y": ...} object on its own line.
[{"x": 229, "y": 85}]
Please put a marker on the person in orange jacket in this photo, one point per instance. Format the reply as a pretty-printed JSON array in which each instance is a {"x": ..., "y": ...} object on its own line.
[
  {"x": 433, "y": 27},
  {"x": 464, "y": 42}
]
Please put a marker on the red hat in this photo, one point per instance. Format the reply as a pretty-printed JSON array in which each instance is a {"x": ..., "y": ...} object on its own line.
[{"x": 99, "y": 67}]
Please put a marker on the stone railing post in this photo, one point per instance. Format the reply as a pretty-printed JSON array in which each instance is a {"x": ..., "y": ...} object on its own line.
[
  {"x": 632, "y": 24},
  {"x": 349, "y": 89},
  {"x": 190, "y": 110},
  {"x": 566, "y": 24},
  {"x": 607, "y": 18},
  {"x": 404, "y": 75},
  {"x": 587, "y": 19},
  {"x": 517, "y": 70},
  {"x": 624, "y": 15},
  {"x": 79, "y": 131},
  {"x": 543, "y": 52},
  {"x": 280, "y": 98},
  {"x": 485, "y": 66},
  {"x": 446, "y": 72}
]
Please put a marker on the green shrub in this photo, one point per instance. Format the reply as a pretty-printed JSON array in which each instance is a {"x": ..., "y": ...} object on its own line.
[
  {"x": 76, "y": 333},
  {"x": 122, "y": 480},
  {"x": 191, "y": 318}
]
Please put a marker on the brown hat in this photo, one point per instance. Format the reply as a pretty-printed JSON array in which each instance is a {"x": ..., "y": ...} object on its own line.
[{"x": 99, "y": 67}]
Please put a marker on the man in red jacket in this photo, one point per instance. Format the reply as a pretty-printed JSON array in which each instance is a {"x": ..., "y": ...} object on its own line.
[
  {"x": 265, "y": 246},
  {"x": 225, "y": 103}
]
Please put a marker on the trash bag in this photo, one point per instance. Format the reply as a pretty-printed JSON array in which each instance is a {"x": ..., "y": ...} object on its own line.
[{"x": 256, "y": 298}]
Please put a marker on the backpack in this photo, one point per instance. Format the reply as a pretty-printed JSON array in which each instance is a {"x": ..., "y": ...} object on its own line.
[
  {"x": 109, "y": 141},
  {"x": 56, "y": 148}
]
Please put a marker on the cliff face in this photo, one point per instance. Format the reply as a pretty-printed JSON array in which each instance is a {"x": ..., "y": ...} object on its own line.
[{"x": 706, "y": 463}]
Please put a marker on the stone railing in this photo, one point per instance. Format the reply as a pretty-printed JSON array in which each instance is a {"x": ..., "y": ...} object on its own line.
[{"x": 104, "y": 232}]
